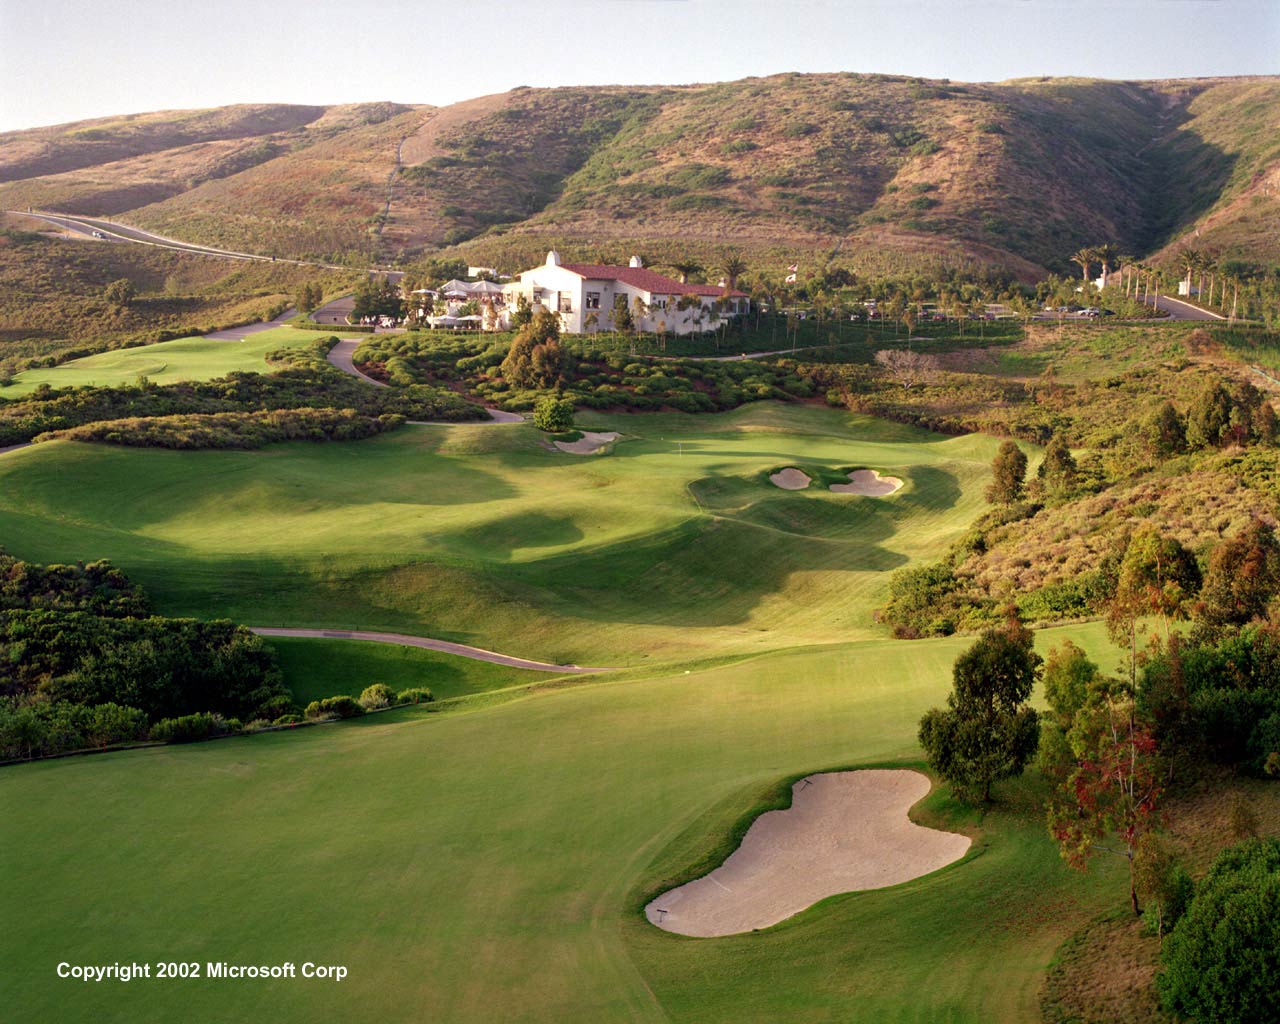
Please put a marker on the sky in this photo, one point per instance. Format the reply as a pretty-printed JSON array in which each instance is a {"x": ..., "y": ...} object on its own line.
[{"x": 68, "y": 60}]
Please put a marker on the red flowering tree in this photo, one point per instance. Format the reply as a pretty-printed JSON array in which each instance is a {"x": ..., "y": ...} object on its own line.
[{"x": 1109, "y": 799}]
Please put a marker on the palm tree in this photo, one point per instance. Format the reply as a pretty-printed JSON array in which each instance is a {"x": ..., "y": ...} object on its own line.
[
  {"x": 1086, "y": 257},
  {"x": 1106, "y": 254},
  {"x": 686, "y": 267},
  {"x": 734, "y": 266},
  {"x": 1208, "y": 265},
  {"x": 1126, "y": 270},
  {"x": 1188, "y": 259}
]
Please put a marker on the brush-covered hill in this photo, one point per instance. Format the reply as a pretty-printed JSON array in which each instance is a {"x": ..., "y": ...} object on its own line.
[{"x": 873, "y": 170}]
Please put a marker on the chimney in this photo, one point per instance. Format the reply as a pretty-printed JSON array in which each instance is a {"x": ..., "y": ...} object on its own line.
[
  {"x": 636, "y": 262},
  {"x": 553, "y": 259}
]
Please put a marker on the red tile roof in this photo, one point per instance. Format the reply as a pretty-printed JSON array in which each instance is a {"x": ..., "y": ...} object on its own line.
[{"x": 644, "y": 279}]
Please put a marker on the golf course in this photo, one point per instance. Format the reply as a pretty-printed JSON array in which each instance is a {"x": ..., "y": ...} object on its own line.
[
  {"x": 490, "y": 857},
  {"x": 165, "y": 362}
]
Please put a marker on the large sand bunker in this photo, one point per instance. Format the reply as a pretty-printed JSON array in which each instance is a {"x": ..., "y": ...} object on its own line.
[
  {"x": 868, "y": 483},
  {"x": 844, "y": 831},
  {"x": 790, "y": 479},
  {"x": 589, "y": 443}
]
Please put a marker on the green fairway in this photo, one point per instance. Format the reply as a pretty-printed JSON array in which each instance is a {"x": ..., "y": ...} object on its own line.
[
  {"x": 487, "y": 866},
  {"x": 314, "y": 669},
  {"x": 165, "y": 362},
  {"x": 674, "y": 546}
]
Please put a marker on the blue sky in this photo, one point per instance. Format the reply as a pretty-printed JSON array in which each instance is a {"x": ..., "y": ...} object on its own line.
[{"x": 66, "y": 60}]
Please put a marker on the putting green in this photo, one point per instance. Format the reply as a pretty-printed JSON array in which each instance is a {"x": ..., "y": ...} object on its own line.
[
  {"x": 490, "y": 866},
  {"x": 675, "y": 546},
  {"x": 165, "y": 362}
]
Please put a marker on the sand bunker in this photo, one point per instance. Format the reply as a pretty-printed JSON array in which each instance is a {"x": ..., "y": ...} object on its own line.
[
  {"x": 844, "y": 831},
  {"x": 869, "y": 484},
  {"x": 790, "y": 479},
  {"x": 588, "y": 444}
]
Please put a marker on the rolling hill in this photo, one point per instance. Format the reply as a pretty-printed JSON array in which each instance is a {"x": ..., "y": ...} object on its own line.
[{"x": 872, "y": 171}]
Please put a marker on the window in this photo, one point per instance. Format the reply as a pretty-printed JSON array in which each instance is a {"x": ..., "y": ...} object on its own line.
[
  {"x": 566, "y": 302},
  {"x": 659, "y": 302},
  {"x": 593, "y": 300}
]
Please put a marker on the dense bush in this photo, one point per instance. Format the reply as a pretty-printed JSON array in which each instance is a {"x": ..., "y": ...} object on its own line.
[
  {"x": 164, "y": 667},
  {"x": 192, "y": 728},
  {"x": 96, "y": 587},
  {"x": 41, "y": 728},
  {"x": 415, "y": 695},
  {"x": 1222, "y": 961},
  {"x": 378, "y": 695},
  {"x": 554, "y": 415},
  {"x": 231, "y": 429},
  {"x": 341, "y": 706}
]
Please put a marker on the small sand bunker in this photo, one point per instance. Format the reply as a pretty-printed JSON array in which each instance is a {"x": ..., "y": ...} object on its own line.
[
  {"x": 589, "y": 443},
  {"x": 790, "y": 479},
  {"x": 844, "y": 831},
  {"x": 869, "y": 484}
]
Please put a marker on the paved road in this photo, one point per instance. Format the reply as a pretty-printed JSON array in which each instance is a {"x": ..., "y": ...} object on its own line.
[
  {"x": 335, "y": 312},
  {"x": 240, "y": 333},
  {"x": 1179, "y": 310},
  {"x": 340, "y": 356},
  {"x": 444, "y": 646},
  {"x": 14, "y": 447},
  {"x": 115, "y": 232}
]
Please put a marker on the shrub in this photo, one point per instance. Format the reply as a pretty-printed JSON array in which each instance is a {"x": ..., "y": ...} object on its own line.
[
  {"x": 289, "y": 719},
  {"x": 553, "y": 415},
  {"x": 415, "y": 695},
  {"x": 190, "y": 728},
  {"x": 341, "y": 706},
  {"x": 377, "y": 695},
  {"x": 1222, "y": 962}
]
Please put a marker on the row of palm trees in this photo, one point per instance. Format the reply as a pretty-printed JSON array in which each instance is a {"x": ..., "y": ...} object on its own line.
[{"x": 1142, "y": 280}]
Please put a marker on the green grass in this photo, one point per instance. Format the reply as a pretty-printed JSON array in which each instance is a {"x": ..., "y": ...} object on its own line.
[
  {"x": 486, "y": 865},
  {"x": 314, "y": 669},
  {"x": 674, "y": 546},
  {"x": 165, "y": 362}
]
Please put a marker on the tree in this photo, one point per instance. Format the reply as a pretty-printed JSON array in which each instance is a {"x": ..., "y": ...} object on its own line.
[
  {"x": 987, "y": 732},
  {"x": 1162, "y": 882},
  {"x": 1058, "y": 473},
  {"x": 523, "y": 312},
  {"x": 1113, "y": 786},
  {"x": 1157, "y": 576},
  {"x": 734, "y": 266},
  {"x": 377, "y": 295},
  {"x": 1086, "y": 258},
  {"x": 1164, "y": 432},
  {"x": 552, "y": 414},
  {"x": 535, "y": 359},
  {"x": 909, "y": 368},
  {"x": 1222, "y": 961},
  {"x": 309, "y": 297},
  {"x": 120, "y": 293},
  {"x": 1008, "y": 473},
  {"x": 1106, "y": 254},
  {"x": 686, "y": 267},
  {"x": 1243, "y": 577}
]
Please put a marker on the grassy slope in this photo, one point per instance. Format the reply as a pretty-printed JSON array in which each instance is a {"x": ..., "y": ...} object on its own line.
[
  {"x": 324, "y": 668},
  {"x": 51, "y": 294},
  {"x": 480, "y": 865},
  {"x": 195, "y": 358},
  {"x": 675, "y": 545}
]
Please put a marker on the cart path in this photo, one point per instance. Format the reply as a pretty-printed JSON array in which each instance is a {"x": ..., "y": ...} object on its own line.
[
  {"x": 444, "y": 646},
  {"x": 341, "y": 357}
]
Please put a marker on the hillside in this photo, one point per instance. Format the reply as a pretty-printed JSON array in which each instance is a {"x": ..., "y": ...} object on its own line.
[{"x": 873, "y": 171}]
